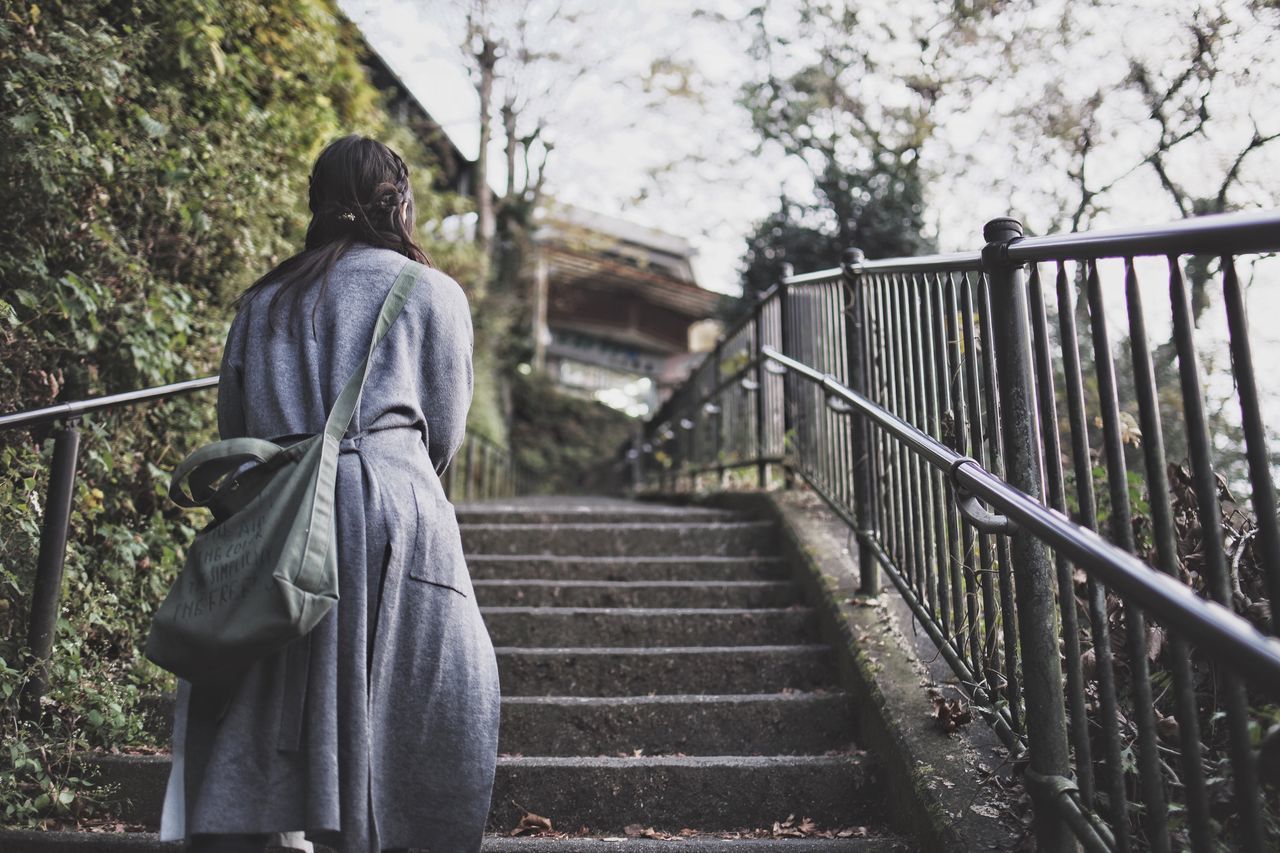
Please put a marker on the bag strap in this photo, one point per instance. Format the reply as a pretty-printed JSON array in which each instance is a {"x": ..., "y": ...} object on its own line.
[
  {"x": 344, "y": 407},
  {"x": 203, "y": 472},
  {"x": 209, "y": 464}
]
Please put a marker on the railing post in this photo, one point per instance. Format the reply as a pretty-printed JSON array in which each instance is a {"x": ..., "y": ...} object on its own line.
[
  {"x": 466, "y": 471},
  {"x": 636, "y": 455},
  {"x": 784, "y": 345},
  {"x": 868, "y": 568},
  {"x": 1033, "y": 573},
  {"x": 718, "y": 446},
  {"x": 762, "y": 468},
  {"x": 486, "y": 469},
  {"x": 43, "y": 625}
]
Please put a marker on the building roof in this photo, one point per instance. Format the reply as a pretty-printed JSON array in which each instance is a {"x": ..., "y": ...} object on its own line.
[{"x": 622, "y": 229}]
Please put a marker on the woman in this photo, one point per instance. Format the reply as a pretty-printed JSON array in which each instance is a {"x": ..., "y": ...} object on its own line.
[{"x": 377, "y": 731}]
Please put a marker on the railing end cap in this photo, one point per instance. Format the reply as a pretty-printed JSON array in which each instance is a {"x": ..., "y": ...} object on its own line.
[
  {"x": 1002, "y": 230},
  {"x": 851, "y": 259}
]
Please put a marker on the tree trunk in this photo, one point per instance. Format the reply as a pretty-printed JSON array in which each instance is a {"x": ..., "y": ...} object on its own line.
[{"x": 487, "y": 58}]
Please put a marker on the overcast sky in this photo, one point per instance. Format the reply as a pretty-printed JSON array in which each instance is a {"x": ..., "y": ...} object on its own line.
[
  {"x": 693, "y": 168},
  {"x": 611, "y": 155}
]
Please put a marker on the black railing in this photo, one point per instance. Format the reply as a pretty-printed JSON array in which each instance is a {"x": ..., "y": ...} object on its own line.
[
  {"x": 480, "y": 470},
  {"x": 907, "y": 391}
]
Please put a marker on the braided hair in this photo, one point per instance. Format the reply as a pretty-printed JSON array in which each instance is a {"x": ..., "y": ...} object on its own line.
[{"x": 359, "y": 192}]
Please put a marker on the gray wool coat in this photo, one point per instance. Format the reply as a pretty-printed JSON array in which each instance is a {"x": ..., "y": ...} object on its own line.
[{"x": 378, "y": 730}]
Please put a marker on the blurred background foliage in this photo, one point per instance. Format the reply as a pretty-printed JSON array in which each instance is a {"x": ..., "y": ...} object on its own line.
[
  {"x": 158, "y": 152},
  {"x": 563, "y": 445}
]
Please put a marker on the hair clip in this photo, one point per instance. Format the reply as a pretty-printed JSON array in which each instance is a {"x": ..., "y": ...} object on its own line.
[{"x": 349, "y": 216}]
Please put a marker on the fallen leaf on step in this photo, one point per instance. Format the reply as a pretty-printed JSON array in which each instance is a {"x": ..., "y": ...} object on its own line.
[
  {"x": 950, "y": 714},
  {"x": 531, "y": 824},
  {"x": 635, "y": 830}
]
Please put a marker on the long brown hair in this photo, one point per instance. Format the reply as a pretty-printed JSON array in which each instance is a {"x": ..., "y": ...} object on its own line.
[{"x": 358, "y": 186}]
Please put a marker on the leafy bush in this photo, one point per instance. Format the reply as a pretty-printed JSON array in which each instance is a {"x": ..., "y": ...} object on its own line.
[
  {"x": 154, "y": 155},
  {"x": 560, "y": 441}
]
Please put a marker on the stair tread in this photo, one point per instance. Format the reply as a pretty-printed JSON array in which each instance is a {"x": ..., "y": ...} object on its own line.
[
  {"x": 660, "y": 650},
  {"x": 598, "y": 761},
  {"x": 611, "y": 584},
  {"x": 52, "y": 841},
  {"x": 645, "y": 611},
  {"x": 629, "y": 762},
  {"x": 615, "y": 558},
  {"x": 681, "y": 698},
  {"x": 513, "y": 527}
]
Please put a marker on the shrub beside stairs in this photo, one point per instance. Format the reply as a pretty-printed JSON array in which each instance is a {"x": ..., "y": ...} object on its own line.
[{"x": 663, "y": 687}]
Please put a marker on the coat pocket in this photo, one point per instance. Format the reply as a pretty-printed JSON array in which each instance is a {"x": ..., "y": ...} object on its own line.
[{"x": 437, "y": 553}]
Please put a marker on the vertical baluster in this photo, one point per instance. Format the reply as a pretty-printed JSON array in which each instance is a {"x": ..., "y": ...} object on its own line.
[
  {"x": 1150, "y": 780},
  {"x": 724, "y": 407},
  {"x": 982, "y": 630},
  {"x": 839, "y": 368},
  {"x": 893, "y": 448},
  {"x": 1038, "y": 627},
  {"x": 773, "y": 421},
  {"x": 887, "y": 455},
  {"x": 822, "y": 357},
  {"x": 1056, "y": 491},
  {"x": 1008, "y": 612},
  {"x": 1164, "y": 538},
  {"x": 42, "y": 624},
  {"x": 861, "y": 468},
  {"x": 468, "y": 490},
  {"x": 1255, "y": 439},
  {"x": 919, "y": 417},
  {"x": 938, "y": 404},
  {"x": 874, "y": 349},
  {"x": 963, "y": 594},
  {"x": 802, "y": 390},
  {"x": 757, "y": 341},
  {"x": 934, "y": 363},
  {"x": 1088, "y": 516},
  {"x": 787, "y": 380},
  {"x": 905, "y": 458},
  {"x": 1217, "y": 579}
]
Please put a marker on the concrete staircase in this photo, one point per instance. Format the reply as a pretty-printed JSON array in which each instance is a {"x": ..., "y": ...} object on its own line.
[{"x": 659, "y": 672}]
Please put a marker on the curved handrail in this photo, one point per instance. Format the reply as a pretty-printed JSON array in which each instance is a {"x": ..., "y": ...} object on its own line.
[
  {"x": 1214, "y": 234},
  {"x": 79, "y": 408},
  {"x": 1209, "y": 624}
]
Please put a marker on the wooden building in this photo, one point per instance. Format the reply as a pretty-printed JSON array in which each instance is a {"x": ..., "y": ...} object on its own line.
[{"x": 617, "y": 308}]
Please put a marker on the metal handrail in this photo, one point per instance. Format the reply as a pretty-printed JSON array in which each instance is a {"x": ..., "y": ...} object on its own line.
[
  {"x": 1214, "y": 234},
  {"x": 492, "y": 474},
  {"x": 1244, "y": 649},
  {"x": 982, "y": 550},
  {"x": 80, "y": 408}
]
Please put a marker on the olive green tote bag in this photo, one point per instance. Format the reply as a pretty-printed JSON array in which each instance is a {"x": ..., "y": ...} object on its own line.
[{"x": 265, "y": 570}]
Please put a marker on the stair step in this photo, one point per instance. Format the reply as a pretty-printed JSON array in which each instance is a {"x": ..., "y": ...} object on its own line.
[
  {"x": 23, "y": 841},
  {"x": 586, "y": 512},
  {"x": 590, "y": 593},
  {"x": 738, "y": 538},
  {"x": 695, "y": 724},
  {"x": 584, "y": 671},
  {"x": 877, "y": 844},
  {"x": 686, "y": 568},
  {"x": 704, "y": 792},
  {"x": 606, "y": 794},
  {"x": 538, "y": 627},
  {"x": 734, "y": 724}
]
